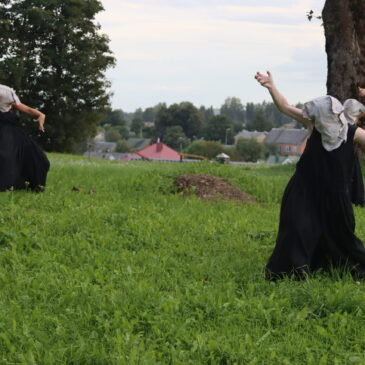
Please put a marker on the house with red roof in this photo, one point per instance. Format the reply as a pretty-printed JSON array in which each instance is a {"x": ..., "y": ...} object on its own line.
[{"x": 156, "y": 152}]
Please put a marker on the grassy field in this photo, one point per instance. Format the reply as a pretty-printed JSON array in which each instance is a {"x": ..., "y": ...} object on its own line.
[{"x": 135, "y": 275}]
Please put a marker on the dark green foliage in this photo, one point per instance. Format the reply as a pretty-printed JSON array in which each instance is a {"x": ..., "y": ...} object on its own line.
[
  {"x": 148, "y": 115},
  {"x": 219, "y": 128},
  {"x": 260, "y": 122},
  {"x": 138, "y": 113},
  {"x": 209, "y": 149},
  {"x": 207, "y": 113},
  {"x": 185, "y": 115},
  {"x": 114, "y": 118},
  {"x": 112, "y": 135},
  {"x": 267, "y": 111},
  {"x": 123, "y": 146},
  {"x": 261, "y": 116},
  {"x": 250, "y": 149},
  {"x": 54, "y": 56},
  {"x": 175, "y": 137},
  {"x": 137, "y": 126},
  {"x": 115, "y": 126},
  {"x": 148, "y": 132},
  {"x": 234, "y": 110},
  {"x": 250, "y": 112}
]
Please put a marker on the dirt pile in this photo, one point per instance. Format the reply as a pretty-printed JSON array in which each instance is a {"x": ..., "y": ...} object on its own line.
[{"x": 210, "y": 188}]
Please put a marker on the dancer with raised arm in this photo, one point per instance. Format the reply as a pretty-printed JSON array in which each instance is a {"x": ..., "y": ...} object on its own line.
[
  {"x": 317, "y": 223},
  {"x": 22, "y": 163}
]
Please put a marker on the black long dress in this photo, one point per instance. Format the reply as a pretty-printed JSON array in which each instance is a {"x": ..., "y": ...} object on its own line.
[
  {"x": 317, "y": 224},
  {"x": 23, "y": 165}
]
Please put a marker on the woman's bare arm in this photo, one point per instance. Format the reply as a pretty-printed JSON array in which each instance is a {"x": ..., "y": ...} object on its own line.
[
  {"x": 280, "y": 101},
  {"x": 359, "y": 136},
  {"x": 28, "y": 110}
]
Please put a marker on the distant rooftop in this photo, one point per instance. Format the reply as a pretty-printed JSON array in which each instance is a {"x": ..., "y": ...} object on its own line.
[
  {"x": 286, "y": 136},
  {"x": 139, "y": 143},
  {"x": 100, "y": 146},
  {"x": 157, "y": 151}
]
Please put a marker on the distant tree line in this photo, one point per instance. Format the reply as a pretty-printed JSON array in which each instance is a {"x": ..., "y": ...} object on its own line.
[{"x": 184, "y": 126}]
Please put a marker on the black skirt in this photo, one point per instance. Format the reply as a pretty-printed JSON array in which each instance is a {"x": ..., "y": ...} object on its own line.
[
  {"x": 317, "y": 222},
  {"x": 23, "y": 165}
]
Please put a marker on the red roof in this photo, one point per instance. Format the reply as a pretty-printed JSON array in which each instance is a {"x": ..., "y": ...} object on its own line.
[{"x": 157, "y": 151}]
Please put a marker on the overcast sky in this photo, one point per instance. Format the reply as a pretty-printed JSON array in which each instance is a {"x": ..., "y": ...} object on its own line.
[{"x": 206, "y": 50}]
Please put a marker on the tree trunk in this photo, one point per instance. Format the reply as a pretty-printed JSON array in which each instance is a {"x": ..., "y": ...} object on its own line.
[{"x": 344, "y": 24}]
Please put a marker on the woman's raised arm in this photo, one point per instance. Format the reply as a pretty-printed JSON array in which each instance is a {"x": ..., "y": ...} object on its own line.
[
  {"x": 280, "y": 101},
  {"x": 28, "y": 110}
]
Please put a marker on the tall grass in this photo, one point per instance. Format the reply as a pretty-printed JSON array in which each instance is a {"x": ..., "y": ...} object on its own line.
[{"x": 135, "y": 275}]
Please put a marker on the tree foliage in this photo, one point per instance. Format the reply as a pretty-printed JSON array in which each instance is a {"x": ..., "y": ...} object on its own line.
[
  {"x": 137, "y": 126},
  {"x": 250, "y": 150},
  {"x": 233, "y": 109},
  {"x": 185, "y": 115},
  {"x": 219, "y": 128},
  {"x": 53, "y": 54},
  {"x": 175, "y": 137},
  {"x": 114, "y": 118},
  {"x": 114, "y": 134},
  {"x": 123, "y": 146},
  {"x": 260, "y": 122},
  {"x": 209, "y": 149},
  {"x": 207, "y": 113}
]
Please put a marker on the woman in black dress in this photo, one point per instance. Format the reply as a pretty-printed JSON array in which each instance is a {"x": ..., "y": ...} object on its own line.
[
  {"x": 23, "y": 165},
  {"x": 317, "y": 224}
]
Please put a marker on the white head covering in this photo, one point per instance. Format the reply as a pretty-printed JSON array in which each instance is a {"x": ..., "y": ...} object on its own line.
[
  {"x": 331, "y": 118},
  {"x": 7, "y": 98}
]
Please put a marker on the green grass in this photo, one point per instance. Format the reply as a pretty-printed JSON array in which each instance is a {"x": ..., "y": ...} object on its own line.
[{"x": 135, "y": 275}]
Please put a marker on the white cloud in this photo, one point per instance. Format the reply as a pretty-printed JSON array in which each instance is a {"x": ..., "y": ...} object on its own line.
[{"x": 204, "y": 51}]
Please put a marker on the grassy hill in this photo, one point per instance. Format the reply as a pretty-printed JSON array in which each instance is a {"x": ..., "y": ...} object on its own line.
[{"x": 132, "y": 274}]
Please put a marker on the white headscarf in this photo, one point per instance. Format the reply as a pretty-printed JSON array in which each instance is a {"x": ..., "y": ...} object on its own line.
[{"x": 331, "y": 118}]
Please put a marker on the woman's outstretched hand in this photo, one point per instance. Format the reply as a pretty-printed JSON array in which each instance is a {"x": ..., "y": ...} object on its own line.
[
  {"x": 40, "y": 120},
  {"x": 265, "y": 80},
  {"x": 28, "y": 110},
  {"x": 361, "y": 92}
]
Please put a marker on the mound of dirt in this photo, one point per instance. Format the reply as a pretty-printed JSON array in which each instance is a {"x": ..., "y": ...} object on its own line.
[{"x": 210, "y": 188}]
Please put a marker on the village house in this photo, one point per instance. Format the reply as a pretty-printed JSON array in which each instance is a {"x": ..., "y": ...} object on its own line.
[
  {"x": 289, "y": 142},
  {"x": 155, "y": 152}
]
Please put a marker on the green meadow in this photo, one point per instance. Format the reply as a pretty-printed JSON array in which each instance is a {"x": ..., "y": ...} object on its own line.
[{"x": 133, "y": 274}]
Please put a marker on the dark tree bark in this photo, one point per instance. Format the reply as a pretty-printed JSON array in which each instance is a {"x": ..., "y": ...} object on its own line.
[{"x": 344, "y": 24}]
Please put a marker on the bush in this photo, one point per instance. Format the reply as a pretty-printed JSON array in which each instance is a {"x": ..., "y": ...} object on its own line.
[
  {"x": 209, "y": 149},
  {"x": 123, "y": 146},
  {"x": 250, "y": 149},
  {"x": 112, "y": 135},
  {"x": 175, "y": 137}
]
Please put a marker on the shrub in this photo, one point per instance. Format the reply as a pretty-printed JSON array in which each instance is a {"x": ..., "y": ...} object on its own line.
[{"x": 123, "y": 146}]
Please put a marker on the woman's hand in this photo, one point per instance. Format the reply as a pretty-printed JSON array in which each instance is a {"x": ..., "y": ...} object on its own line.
[
  {"x": 40, "y": 120},
  {"x": 265, "y": 80},
  {"x": 28, "y": 110},
  {"x": 361, "y": 92}
]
